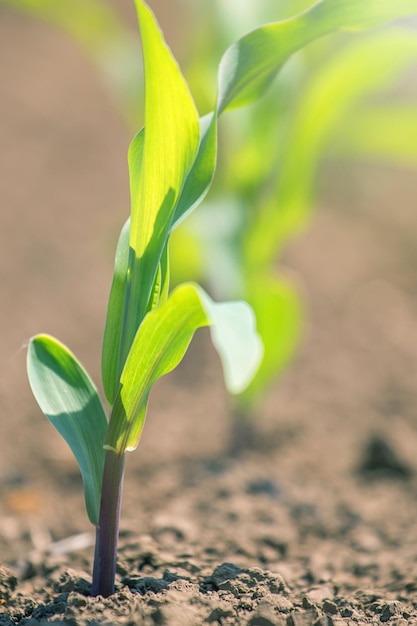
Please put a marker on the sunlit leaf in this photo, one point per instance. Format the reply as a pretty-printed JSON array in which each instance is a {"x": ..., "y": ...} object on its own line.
[
  {"x": 160, "y": 344},
  {"x": 71, "y": 403},
  {"x": 171, "y": 139}
]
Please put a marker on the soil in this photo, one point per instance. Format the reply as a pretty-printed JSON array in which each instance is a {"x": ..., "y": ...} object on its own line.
[{"x": 316, "y": 524}]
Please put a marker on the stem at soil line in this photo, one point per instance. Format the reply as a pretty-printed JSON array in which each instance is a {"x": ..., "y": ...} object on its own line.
[{"x": 107, "y": 532}]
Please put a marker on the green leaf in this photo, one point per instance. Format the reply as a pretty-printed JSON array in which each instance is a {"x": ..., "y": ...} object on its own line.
[
  {"x": 111, "y": 357},
  {"x": 200, "y": 177},
  {"x": 279, "y": 320},
  {"x": 387, "y": 133},
  {"x": 159, "y": 346},
  {"x": 161, "y": 343},
  {"x": 251, "y": 63},
  {"x": 112, "y": 364},
  {"x": 160, "y": 157},
  {"x": 364, "y": 67},
  {"x": 70, "y": 401},
  {"x": 170, "y": 146},
  {"x": 161, "y": 285}
]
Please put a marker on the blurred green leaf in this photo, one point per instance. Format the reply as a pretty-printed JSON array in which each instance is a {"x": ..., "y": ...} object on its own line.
[
  {"x": 388, "y": 133},
  {"x": 90, "y": 22},
  {"x": 251, "y": 63},
  {"x": 279, "y": 321},
  {"x": 364, "y": 67},
  {"x": 70, "y": 401}
]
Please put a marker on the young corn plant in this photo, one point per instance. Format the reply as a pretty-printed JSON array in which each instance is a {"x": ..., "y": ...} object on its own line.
[{"x": 148, "y": 328}]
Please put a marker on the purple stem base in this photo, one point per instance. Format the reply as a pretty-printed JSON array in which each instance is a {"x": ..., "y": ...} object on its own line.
[{"x": 107, "y": 532}]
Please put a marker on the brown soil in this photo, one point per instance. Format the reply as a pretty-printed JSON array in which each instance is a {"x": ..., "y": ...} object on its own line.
[{"x": 316, "y": 525}]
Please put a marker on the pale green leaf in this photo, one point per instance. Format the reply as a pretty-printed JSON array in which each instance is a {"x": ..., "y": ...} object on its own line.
[
  {"x": 160, "y": 157},
  {"x": 251, "y": 63},
  {"x": 112, "y": 357},
  {"x": 233, "y": 333},
  {"x": 70, "y": 401},
  {"x": 161, "y": 285}
]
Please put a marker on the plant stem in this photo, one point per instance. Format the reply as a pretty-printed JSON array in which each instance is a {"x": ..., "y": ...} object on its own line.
[{"x": 107, "y": 532}]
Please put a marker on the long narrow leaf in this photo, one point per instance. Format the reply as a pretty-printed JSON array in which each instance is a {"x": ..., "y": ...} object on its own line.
[
  {"x": 365, "y": 67},
  {"x": 111, "y": 357},
  {"x": 70, "y": 401},
  {"x": 170, "y": 146},
  {"x": 251, "y": 63},
  {"x": 114, "y": 350}
]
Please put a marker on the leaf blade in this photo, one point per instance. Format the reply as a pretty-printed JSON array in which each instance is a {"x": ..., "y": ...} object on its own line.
[
  {"x": 70, "y": 401},
  {"x": 159, "y": 346},
  {"x": 363, "y": 68},
  {"x": 162, "y": 341},
  {"x": 170, "y": 146},
  {"x": 251, "y": 63},
  {"x": 111, "y": 355}
]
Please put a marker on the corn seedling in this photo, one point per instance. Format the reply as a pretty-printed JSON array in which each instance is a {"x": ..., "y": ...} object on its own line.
[{"x": 148, "y": 327}]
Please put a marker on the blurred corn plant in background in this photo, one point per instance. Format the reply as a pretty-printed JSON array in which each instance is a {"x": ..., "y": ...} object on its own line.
[{"x": 325, "y": 102}]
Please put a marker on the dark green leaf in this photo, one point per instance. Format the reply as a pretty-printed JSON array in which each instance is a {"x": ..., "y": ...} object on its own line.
[{"x": 71, "y": 403}]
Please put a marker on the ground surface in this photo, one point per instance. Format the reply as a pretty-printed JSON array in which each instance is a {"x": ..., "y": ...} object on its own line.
[{"x": 315, "y": 526}]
